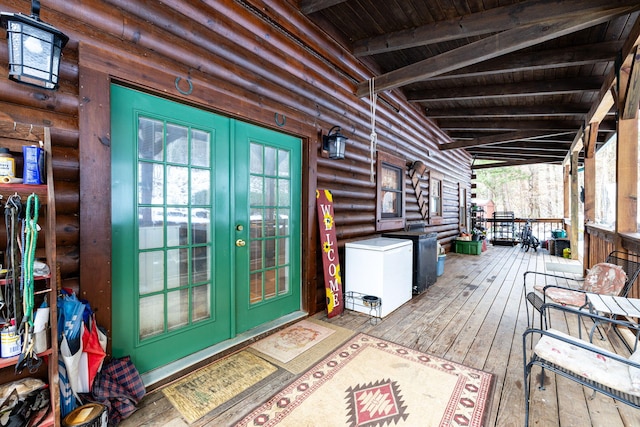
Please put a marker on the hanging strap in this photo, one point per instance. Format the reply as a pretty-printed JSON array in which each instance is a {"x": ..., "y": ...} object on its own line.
[
  {"x": 373, "y": 98},
  {"x": 28, "y": 358},
  {"x": 30, "y": 240},
  {"x": 13, "y": 301}
]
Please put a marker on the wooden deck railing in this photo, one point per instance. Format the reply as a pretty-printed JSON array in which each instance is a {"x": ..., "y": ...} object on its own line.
[{"x": 541, "y": 227}]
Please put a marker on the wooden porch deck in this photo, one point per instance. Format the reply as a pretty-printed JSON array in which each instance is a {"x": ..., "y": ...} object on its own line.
[{"x": 473, "y": 315}]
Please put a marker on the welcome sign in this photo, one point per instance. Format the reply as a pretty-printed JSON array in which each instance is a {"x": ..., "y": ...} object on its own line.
[{"x": 330, "y": 261}]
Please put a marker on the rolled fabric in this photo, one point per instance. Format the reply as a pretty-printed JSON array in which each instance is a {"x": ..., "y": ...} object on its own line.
[{"x": 10, "y": 180}]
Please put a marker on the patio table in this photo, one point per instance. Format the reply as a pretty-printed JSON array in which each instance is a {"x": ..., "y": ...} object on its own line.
[{"x": 614, "y": 306}]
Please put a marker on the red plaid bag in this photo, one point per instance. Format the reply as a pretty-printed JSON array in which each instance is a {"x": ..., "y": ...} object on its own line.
[{"x": 119, "y": 387}]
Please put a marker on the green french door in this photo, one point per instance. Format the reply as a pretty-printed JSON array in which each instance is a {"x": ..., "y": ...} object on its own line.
[{"x": 205, "y": 227}]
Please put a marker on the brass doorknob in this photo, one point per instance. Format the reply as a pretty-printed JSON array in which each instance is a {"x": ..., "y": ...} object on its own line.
[{"x": 240, "y": 243}]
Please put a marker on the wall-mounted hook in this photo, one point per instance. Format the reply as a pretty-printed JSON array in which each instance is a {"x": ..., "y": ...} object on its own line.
[
  {"x": 279, "y": 122},
  {"x": 184, "y": 92}
]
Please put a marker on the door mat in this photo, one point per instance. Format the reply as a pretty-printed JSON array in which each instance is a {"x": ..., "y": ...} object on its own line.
[
  {"x": 297, "y": 347},
  {"x": 373, "y": 382},
  {"x": 207, "y": 388}
]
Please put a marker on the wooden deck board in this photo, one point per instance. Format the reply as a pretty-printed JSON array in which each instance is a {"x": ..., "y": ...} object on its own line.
[{"x": 474, "y": 314}]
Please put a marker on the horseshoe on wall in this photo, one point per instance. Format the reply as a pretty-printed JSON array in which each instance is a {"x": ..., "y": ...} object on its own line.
[
  {"x": 184, "y": 92},
  {"x": 279, "y": 122}
]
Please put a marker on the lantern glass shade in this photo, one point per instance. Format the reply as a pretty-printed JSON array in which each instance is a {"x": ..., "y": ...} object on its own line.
[
  {"x": 34, "y": 50},
  {"x": 334, "y": 143}
]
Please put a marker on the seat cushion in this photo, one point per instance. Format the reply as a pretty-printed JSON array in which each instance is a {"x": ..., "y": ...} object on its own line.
[
  {"x": 605, "y": 279},
  {"x": 586, "y": 363},
  {"x": 565, "y": 296}
]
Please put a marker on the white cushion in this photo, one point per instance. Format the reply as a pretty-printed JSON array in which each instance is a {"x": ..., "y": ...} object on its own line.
[{"x": 596, "y": 367}]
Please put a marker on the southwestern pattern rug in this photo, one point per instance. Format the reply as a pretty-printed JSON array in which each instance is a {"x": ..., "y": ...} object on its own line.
[{"x": 371, "y": 382}]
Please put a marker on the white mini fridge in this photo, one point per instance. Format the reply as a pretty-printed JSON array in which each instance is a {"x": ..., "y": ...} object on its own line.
[{"x": 380, "y": 267}]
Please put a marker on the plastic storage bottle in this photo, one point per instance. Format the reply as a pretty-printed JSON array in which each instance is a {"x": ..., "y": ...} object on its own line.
[{"x": 7, "y": 163}]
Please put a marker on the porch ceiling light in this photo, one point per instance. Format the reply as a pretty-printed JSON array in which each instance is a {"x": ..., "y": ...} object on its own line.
[
  {"x": 334, "y": 143},
  {"x": 34, "y": 48}
]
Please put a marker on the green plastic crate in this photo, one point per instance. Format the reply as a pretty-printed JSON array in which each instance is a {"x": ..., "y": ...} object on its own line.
[{"x": 469, "y": 247}]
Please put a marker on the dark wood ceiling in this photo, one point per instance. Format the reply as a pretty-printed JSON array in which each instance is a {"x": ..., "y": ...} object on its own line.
[{"x": 509, "y": 81}]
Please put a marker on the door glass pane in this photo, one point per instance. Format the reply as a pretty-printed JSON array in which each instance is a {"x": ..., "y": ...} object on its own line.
[
  {"x": 151, "y": 316},
  {"x": 283, "y": 280},
  {"x": 151, "y": 274},
  {"x": 177, "y": 144},
  {"x": 270, "y": 161},
  {"x": 256, "y": 159},
  {"x": 200, "y": 226},
  {"x": 270, "y": 201},
  {"x": 177, "y": 268},
  {"x": 150, "y": 139},
  {"x": 177, "y": 309},
  {"x": 283, "y": 222},
  {"x": 200, "y": 148},
  {"x": 150, "y": 228},
  {"x": 175, "y": 234},
  {"x": 270, "y": 284},
  {"x": 200, "y": 187},
  {"x": 256, "y": 190},
  {"x": 255, "y": 287},
  {"x": 283, "y": 164},
  {"x": 201, "y": 302},
  {"x": 177, "y": 185},
  {"x": 150, "y": 183},
  {"x": 283, "y": 192},
  {"x": 200, "y": 264}
]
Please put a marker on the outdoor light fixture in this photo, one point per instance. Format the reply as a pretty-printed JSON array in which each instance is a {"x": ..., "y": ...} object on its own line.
[
  {"x": 334, "y": 143},
  {"x": 34, "y": 48}
]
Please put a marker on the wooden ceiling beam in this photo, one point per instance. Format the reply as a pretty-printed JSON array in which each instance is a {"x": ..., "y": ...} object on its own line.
[
  {"x": 632, "y": 97},
  {"x": 311, "y": 6},
  {"x": 487, "y": 48},
  {"x": 485, "y": 154},
  {"x": 531, "y": 161},
  {"x": 527, "y": 146},
  {"x": 606, "y": 97},
  {"x": 576, "y": 110},
  {"x": 497, "y": 139},
  {"x": 477, "y": 24},
  {"x": 549, "y": 126},
  {"x": 530, "y": 88},
  {"x": 542, "y": 60}
]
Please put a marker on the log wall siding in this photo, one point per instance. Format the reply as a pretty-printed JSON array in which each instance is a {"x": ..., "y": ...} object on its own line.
[{"x": 256, "y": 61}]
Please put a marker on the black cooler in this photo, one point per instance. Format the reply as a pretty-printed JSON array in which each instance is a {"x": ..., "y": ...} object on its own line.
[{"x": 425, "y": 257}]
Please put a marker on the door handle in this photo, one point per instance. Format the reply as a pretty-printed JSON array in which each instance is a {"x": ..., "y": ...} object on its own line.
[{"x": 240, "y": 243}]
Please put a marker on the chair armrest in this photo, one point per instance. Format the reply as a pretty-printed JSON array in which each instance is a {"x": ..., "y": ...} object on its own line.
[
  {"x": 603, "y": 320},
  {"x": 537, "y": 273}
]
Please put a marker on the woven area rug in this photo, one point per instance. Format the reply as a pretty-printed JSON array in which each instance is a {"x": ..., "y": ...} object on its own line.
[
  {"x": 210, "y": 387},
  {"x": 298, "y": 347},
  {"x": 373, "y": 382}
]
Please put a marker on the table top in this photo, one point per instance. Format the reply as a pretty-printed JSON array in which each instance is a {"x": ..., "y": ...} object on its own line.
[{"x": 615, "y": 305}]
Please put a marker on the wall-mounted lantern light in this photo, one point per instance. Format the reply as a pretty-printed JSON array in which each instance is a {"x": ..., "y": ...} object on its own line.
[
  {"x": 34, "y": 48},
  {"x": 334, "y": 143}
]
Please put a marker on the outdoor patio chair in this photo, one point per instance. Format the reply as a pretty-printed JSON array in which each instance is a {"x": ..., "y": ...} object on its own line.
[
  {"x": 614, "y": 277},
  {"x": 614, "y": 375}
]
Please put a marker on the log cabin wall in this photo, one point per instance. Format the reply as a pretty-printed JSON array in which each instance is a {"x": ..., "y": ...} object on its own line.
[{"x": 261, "y": 62}]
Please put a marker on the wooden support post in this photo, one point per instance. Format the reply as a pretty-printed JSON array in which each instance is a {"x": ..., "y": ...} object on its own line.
[
  {"x": 565, "y": 186},
  {"x": 627, "y": 155},
  {"x": 627, "y": 176},
  {"x": 575, "y": 205},
  {"x": 589, "y": 185}
]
